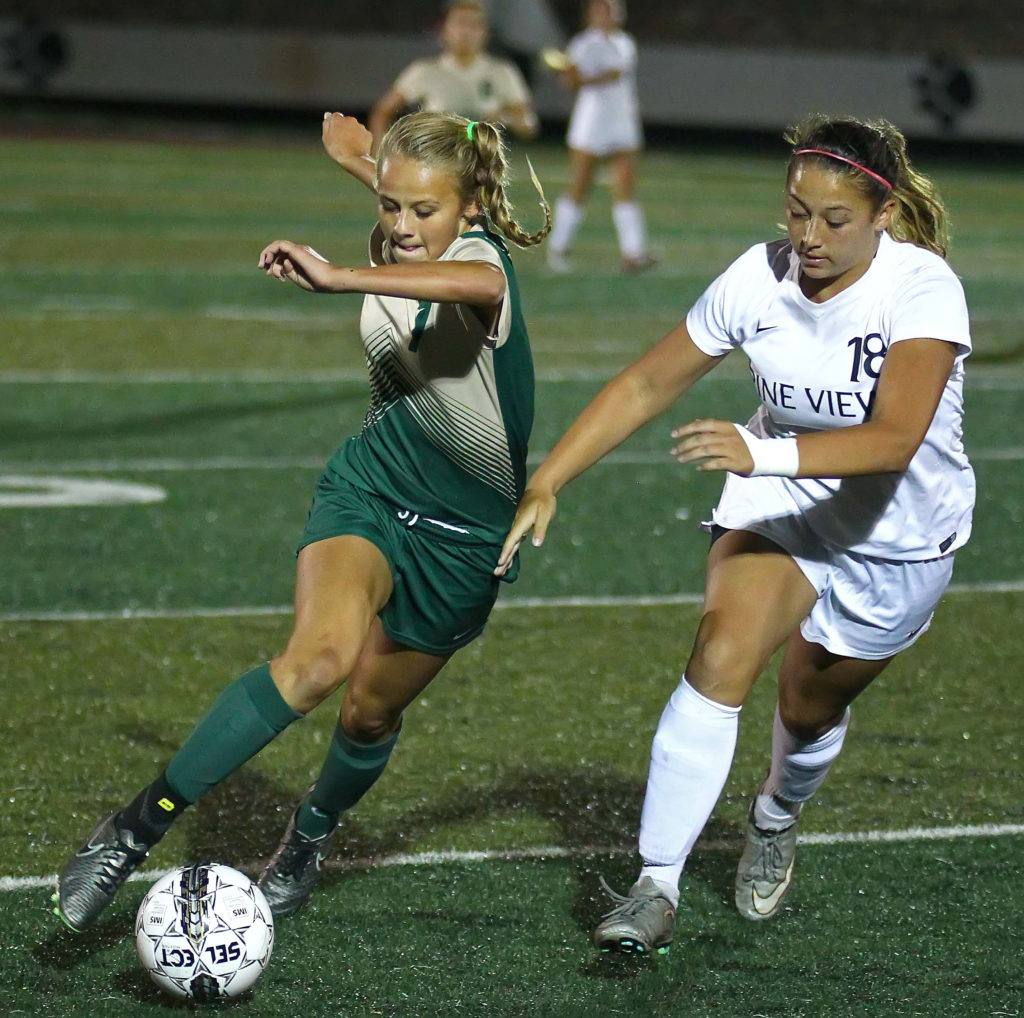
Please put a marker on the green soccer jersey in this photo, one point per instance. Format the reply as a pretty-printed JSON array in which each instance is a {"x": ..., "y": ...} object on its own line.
[{"x": 451, "y": 406}]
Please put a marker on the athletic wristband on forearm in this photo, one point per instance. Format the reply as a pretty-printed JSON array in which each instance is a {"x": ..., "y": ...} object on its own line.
[{"x": 777, "y": 457}]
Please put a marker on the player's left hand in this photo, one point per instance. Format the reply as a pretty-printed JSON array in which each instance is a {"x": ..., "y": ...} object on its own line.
[
  {"x": 299, "y": 264},
  {"x": 713, "y": 445}
]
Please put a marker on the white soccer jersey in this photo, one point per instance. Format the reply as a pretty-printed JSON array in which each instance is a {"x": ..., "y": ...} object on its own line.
[
  {"x": 815, "y": 367},
  {"x": 605, "y": 117},
  {"x": 479, "y": 91}
]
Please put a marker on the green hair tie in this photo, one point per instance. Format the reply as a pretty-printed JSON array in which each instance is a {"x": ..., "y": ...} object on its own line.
[{"x": 469, "y": 129}]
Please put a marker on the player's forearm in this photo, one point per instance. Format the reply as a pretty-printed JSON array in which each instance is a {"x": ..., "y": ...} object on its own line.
[
  {"x": 474, "y": 283},
  {"x": 641, "y": 392},
  {"x": 600, "y": 79},
  {"x": 363, "y": 168},
  {"x": 521, "y": 120},
  {"x": 621, "y": 408},
  {"x": 870, "y": 448}
]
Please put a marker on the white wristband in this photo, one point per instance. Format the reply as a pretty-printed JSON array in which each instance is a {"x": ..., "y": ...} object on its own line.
[{"x": 777, "y": 457}]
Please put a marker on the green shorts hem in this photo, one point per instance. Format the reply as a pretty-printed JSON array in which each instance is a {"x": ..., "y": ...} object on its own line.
[{"x": 439, "y": 651}]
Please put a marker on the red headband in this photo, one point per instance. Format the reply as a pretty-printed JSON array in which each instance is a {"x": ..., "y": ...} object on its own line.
[{"x": 831, "y": 155}]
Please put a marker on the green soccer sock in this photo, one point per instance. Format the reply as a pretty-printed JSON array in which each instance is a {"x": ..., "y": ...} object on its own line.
[
  {"x": 348, "y": 773},
  {"x": 243, "y": 719}
]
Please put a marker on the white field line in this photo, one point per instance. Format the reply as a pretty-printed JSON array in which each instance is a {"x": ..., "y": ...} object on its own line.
[
  {"x": 243, "y": 611},
  {"x": 910, "y": 834},
  {"x": 186, "y": 465},
  {"x": 257, "y": 377}
]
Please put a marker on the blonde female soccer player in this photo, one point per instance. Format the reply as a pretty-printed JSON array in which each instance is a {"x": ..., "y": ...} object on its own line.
[
  {"x": 604, "y": 127},
  {"x": 395, "y": 567},
  {"x": 848, "y": 493}
]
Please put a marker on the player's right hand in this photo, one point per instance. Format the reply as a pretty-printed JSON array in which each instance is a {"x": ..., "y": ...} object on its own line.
[
  {"x": 345, "y": 138},
  {"x": 536, "y": 510}
]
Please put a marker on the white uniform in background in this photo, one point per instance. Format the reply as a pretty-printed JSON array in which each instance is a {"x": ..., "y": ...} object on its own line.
[
  {"x": 605, "y": 117},
  {"x": 605, "y": 122},
  {"x": 878, "y": 548}
]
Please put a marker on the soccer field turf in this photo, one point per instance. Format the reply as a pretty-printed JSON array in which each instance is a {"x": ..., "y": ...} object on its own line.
[{"x": 140, "y": 346}]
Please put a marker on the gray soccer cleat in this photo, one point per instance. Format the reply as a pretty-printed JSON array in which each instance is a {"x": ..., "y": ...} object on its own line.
[
  {"x": 92, "y": 876},
  {"x": 640, "y": 922},
  {"x": 294, "y": 869},
  {"x": 765, "y": 870}
]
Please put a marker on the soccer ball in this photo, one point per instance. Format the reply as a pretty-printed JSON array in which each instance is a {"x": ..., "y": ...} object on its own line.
[{"x": 204, "y": 932}]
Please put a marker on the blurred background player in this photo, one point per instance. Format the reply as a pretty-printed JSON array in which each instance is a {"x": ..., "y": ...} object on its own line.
[
  {"x": 464, "y": 79},
  {"x": 604, "y": 126}
]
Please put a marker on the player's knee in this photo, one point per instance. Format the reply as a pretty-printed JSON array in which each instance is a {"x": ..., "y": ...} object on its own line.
[
  {"x": 366, "y": 718},
  {"x": 804, "y": 718},
  {"x": 723, "y": 663},
  {"x": 307, "y": 675}
]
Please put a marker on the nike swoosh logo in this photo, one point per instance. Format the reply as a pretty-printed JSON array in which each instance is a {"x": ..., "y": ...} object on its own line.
[
  {"x": 765, "y": 328},
  {"x": 765, "y": 906}
]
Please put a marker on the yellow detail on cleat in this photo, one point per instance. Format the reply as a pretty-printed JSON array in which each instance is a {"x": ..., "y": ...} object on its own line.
[{"x": 166, "y": 805}]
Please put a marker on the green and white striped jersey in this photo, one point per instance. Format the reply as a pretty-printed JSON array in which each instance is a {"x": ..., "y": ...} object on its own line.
[{"x": 451, "y": 406}]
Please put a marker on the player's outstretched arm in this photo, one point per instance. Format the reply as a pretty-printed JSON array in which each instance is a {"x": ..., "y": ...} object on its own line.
[
  {"x": 349, "y": 143},
  {"x": 476, "y": 283}
]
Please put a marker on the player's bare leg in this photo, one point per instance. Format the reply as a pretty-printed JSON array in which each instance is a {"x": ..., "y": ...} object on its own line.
[
  {"x": 569, "y": 208},
  {"x": 627, "y": 213},
  {"x": 341, "y": 585},
  {"x": 386, "y": 679},
  {"x": 696, "y": 736}
]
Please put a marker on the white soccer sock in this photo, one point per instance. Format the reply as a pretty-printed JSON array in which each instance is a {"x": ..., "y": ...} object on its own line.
[
  {"x": 798, "y": 770},
  {"x": 628, "y": 217},
  {"x": 690, "y": 760},
  {"x": 568, "y": 216}
]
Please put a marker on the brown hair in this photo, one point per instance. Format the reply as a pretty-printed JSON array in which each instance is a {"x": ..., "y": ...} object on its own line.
[
  {"x": 474, "y": 152},
  {"x": 878, "y": 147}
]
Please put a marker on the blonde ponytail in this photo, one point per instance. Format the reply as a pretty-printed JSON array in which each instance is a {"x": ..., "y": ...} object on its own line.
[{"x": 475, "y": 154}]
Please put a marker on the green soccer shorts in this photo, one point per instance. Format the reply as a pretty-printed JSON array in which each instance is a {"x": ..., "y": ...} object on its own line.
[{"x": 444, "y": 588}]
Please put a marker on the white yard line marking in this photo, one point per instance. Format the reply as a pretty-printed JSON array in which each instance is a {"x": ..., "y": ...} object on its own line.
[
  {"x": 911, "y": 834},
  {"x": 241, "y": 611},
  {"x": 186, "y": 465}
]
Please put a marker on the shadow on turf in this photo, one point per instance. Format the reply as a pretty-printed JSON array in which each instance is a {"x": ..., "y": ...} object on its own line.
[
  {"x": 65, "y": 949},
  {"x": 246, "y": 815},
  {"x": 134, "y": 984},
  {"x": 241, "y": 820}
]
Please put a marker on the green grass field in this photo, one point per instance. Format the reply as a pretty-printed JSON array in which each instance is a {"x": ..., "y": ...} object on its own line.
[{"x": 141, "y": 346}]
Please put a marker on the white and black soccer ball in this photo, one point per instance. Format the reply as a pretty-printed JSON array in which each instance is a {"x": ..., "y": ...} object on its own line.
[{"x": 204, "y": 932}]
